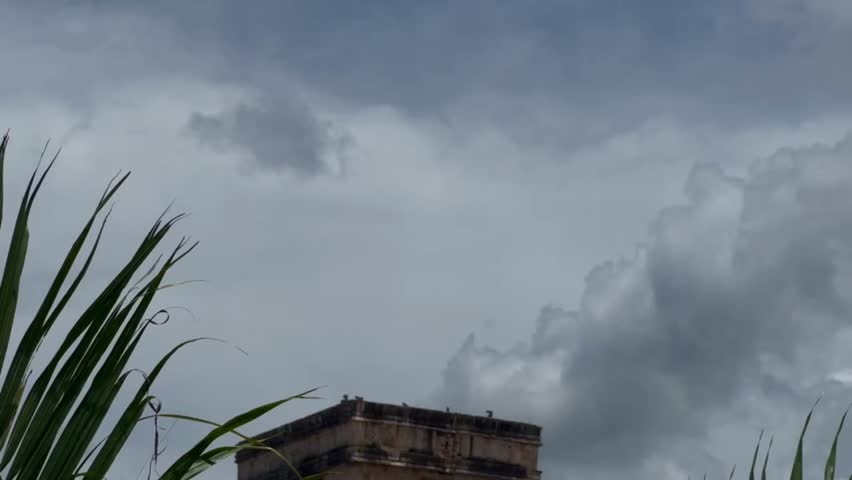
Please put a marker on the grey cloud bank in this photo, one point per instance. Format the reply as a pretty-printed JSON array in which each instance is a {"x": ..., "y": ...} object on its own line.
[
  {"x": 735, "y": 294},
  {"x": 497, "y": 152},
  {"x": 734, "y": 61}
]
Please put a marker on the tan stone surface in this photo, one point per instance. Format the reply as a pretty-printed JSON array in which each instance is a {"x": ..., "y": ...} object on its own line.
[{"x": 362, "y": 440}]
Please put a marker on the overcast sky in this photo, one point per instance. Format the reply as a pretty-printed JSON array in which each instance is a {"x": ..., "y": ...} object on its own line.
[{"x": 628, "y": 222}]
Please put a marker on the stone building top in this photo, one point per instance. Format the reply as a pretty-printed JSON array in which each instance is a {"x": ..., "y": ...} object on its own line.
[{"x": 359, "y": 409}]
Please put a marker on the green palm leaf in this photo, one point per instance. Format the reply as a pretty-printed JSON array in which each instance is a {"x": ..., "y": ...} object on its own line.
[
  {"x": 766, "y": 459},
  {"x": 754, "y": 458},
  {"x": 832, "y": 456},
  {"x": 47, "y": 426},
  {"x": 798, "y": 468}
]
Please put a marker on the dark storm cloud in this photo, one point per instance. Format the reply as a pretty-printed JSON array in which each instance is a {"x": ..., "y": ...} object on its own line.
[
  {"x": 727, "y": 61},
  {"x": 742, "y": 281},
  {"x": 281, "y": 135}
]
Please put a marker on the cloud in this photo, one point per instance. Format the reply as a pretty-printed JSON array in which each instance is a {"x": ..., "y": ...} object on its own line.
[
  {"x": 708, "y": 61},
  {"x": 737, "y": 293},
  {"x": 471, "y": 154},
  {"x": 280, "y": 135},
  {"x": 836, "y": 14}
]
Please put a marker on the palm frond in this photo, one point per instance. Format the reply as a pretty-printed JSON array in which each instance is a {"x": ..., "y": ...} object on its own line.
[{"x": 48, "y": 426}]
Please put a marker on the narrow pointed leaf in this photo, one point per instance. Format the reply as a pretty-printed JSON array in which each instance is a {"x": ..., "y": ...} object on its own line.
[
  {"x": 832, "y": 456},
  {"x": 124, "y": 426},
  {"x": 182, "y": 464},
  {"x": 42, "y": 323},
  {"x": 766, "y": 458},
  {"x": 754, "y": 458},
  {"x": 798, "y": 469},
  {"x": 248, "y": 442},
  {"x": 3, "y": 143}
]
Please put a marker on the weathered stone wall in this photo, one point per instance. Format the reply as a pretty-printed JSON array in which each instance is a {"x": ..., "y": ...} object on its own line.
[
  {"x": 396, "y": 442},
  {"x": 362, "y": 440},
  {"x": 299, "y": 449},
  {"x": 398, "y": 438},
  {"x": 384, "y": 472}
]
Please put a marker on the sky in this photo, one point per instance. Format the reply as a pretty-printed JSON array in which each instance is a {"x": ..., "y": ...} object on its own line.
[{"x": 628, "y": 222}]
